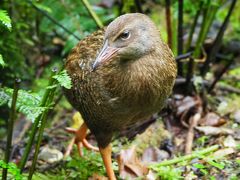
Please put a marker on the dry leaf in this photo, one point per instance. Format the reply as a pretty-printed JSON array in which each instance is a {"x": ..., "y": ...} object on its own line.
[
  {"x": 209, "y": 130},
  {"x": 237, "y": 116},
  {"x": 154, "y": 154},
  {"x": 187, "y": 103},
  {"x": 97, "y": 177},
  {"x": 229, "y": 142},
  {"x": 212, "y": 119},
  {"x": 129, "y": 164},
  {"x": 223, "y": 152}
]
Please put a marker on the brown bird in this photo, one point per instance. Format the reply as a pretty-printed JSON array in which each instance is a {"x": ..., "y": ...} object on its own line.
[{"x": 120, "y": 75}]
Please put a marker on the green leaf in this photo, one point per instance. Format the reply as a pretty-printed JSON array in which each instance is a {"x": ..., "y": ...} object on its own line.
[
  {"x": 169, "y": 173},
  {"x": 2, "y": 63},
  {"x": 27, "y": 103},
  {"x": 5, "y": 19},
  {"x": 64, "y": 79},
  {"x": 199, "y": 166},
  {"x": 42, "y": 7},
  {"x": 12, "y": 168},
  {"x": 215, "y": 164}
]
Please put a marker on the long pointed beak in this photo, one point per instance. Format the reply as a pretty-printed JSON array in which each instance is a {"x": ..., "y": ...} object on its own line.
[{"x": 105, "y": 55}]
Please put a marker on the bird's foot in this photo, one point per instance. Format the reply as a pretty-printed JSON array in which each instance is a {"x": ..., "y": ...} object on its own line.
[{"x": 79, "y": 140}]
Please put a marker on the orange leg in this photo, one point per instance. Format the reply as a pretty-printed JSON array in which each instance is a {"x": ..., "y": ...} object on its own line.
[
  {"x": 107, "y": 160},
  {"x": 79, "y": 140}
]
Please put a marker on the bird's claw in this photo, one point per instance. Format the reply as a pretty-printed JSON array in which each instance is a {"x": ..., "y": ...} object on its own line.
[{"x": 79, "y": 140}]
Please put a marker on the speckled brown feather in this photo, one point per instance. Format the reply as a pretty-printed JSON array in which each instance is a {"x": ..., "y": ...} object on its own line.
[{"x": 120, "y": 93}]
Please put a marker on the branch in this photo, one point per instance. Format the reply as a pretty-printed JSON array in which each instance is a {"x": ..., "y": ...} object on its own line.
[
  {"x": 54, "y": 20},
  {"x": 92, "y": 13}
]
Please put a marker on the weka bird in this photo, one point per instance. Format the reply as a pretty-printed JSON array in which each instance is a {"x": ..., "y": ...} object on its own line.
[{"x": 120, "y": 76}]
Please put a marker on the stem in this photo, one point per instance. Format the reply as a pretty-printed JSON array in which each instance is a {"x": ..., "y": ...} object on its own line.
[
  {"x": 54, "y": 21},
  {"x": 168, "y": 21},
  {"x": 190, "y": 73},
  {"x": 40, "y": 133},
  {"x": 174, "y": 34},
  {"x": 180, "y": 34},
  {"x": 186, "y": 157},
  {"x": 220, "y": 75},
  {"x": 189, "y": 42},
  {"x": 35, "y": 126},
  {"x": 139, "y": 6},
  {"x": 183, "y": 56},
  {"x": 92, "y": 13},
  {"x": 10, "y": 126},
  {"x": 217, "y": 42},
  {"x": 207, "y": 22}
]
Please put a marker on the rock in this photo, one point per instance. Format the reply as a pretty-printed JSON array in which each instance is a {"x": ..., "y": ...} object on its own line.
[
  {"x": 154, "y": 155},
  {"x": 236, "y": 116},
  {"x": 230, "y": 142},
  {"x": 50, "y": 155}
]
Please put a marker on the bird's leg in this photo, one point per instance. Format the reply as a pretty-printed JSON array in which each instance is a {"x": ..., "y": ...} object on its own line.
[
  {"x": 107, "y": 160},
  {"x": 79, "y": 140}
]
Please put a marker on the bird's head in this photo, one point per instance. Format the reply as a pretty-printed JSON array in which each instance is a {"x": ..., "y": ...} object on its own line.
[{"x": 129, "y": 37}]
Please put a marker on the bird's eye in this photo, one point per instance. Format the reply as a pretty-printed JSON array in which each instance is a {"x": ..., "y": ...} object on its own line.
[{"x": 125, "y": 35}]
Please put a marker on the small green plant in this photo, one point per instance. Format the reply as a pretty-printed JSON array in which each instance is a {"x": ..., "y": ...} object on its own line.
[
  {"x": 86, "y": 166},
  {"x": 12, "y": 168},
  {"x": 6, "y": 22},
  {"x": 169, "y": 173},
  {"x": 201, "y": 167}
]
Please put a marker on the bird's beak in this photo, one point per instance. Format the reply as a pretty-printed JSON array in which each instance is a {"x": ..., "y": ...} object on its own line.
[{"x": 105, "y": 55}]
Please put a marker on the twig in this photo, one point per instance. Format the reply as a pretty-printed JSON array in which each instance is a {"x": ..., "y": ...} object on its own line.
[
  {"x": 190, "y": 135},
  {"x": 228, "y": 88},
  {"x": 180, "y": 34},
  {"x": 92, "y": 13},
  {"x": 217, "y": 42},
  {"x": 189, "y": 76},
  {"x": 168, "y": 21},
  {"x": 54, "y": 21},
  {"x": 10, "y": 127},
  {"x": 186, "y": 157},
  {"x": 218, "y": 77},
  {"x": 183, "y": 56},
  {"x": 181, "y": 81}
]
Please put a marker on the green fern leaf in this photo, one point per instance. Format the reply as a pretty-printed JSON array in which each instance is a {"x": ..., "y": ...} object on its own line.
[
  {"x": 63, "y": 79},
  {"x": 27, "y": 103},
  {"x": 5, "y": 19},
  {"x": 2, "y": 63}
]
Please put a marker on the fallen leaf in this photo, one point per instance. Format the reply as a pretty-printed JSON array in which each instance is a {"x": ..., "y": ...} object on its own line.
[
  {"x": 184, "y": 105},
  {"x": 209, "y": 130},
  {"x": 223, "y": 152},
  {"x": 129, "y": 164},
  {"x": 212, "y": 119},
  {"x": 229, "y": 142},
  {"x": 77, "y": 120},
  {"x": 97, "y": 177},
  {"x": 153, "y": 154},
  {"x": 236, "y": 116},
  {"x": 151, "y": 175}
]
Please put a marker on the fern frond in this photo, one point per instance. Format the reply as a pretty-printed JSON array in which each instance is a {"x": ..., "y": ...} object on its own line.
[
  {"x": 5, "y": 19},
  {"x": 63, "y": 79},
  {"x": 27, "y": 103},
  {"x": 2, "y": 63}
]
